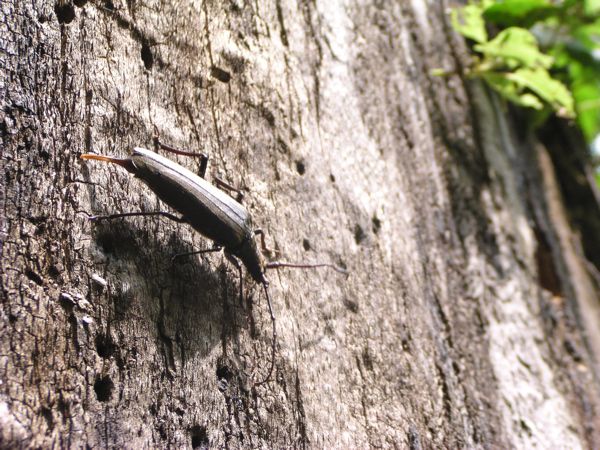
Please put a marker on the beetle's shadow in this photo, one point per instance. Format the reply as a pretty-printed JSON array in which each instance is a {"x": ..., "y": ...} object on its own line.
[{"x": 190, "y": 304}]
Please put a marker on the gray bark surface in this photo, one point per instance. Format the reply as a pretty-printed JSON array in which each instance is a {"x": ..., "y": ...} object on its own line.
[{"x": 469, "y": 318}]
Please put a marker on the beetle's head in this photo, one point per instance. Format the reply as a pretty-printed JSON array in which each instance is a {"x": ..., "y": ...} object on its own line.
[{"x": 250, "y": 256}]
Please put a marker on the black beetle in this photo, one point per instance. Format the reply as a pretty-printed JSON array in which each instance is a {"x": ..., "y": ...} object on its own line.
[{"x": 208, "y": 209}]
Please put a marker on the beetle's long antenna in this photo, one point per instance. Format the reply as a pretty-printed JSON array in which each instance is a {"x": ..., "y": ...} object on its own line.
[
  {"x": 127, "y": 163},
  {"x": 279, "y": 264},
  {"x": 274, "y": 336}
]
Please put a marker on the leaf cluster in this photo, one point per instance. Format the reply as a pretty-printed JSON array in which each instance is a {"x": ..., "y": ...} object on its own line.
[{"x": 545, "y": 56}]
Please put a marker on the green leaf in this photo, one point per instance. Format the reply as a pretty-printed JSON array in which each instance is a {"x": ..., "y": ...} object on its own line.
[
  {"x": 516, "y": 12},
  {"x": 585, "y": 85},
  {"x": 561, "y": 55},
  {"x": 587, "y": 102},
  {"x": 511, "y": 90},
  {"x": 528, "y": 87},
  {"x": 469, "y": 22},
  {"x": 439, "y": 72},
  {"x": 547, "y": 88},
  {"x": 512, "y": 64},
  {"x": 514, "y": 47},
  {"x": 591, "y": 7},
  {"x": 586, "y": 39}
]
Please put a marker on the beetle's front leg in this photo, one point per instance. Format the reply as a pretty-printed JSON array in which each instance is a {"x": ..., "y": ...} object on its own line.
[
  {"x": 203, "y": 156},
  {"x": 168, "y": 215},
  {"x": 226, "y": 186},
  {"x": 233, "y": 260},
  {"x": 263, "y": 242}
]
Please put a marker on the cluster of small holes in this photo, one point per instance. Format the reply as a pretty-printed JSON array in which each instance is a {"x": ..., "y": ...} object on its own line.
[
  {"x": 306, "y": 244},
  {"x": 220, "y": 74},
  {"x": 103, "y": 387},
  {"x": 224, "y": 373},
  {"x": 34, "y": 277},
  {"x": 351, "y": 305},
  {"x": 199, "y": 438},
  {"x": 147, "y": 57},
  {"x": 376, "y": 224},
  {"x": 53, "y": 271},
  {"x": 359, "y": 234},
  {"x": 65, "y": 12},
  {"x": 105, "y": 345}
]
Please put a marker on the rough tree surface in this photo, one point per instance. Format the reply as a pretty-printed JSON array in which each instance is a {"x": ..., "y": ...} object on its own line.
[{"x": 468, "y": 318}]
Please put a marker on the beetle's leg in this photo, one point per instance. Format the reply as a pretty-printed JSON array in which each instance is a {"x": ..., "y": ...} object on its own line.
[
  {"x": 265, "y": 284},
  {"x": 133, "y": 214},
  {"x": 215, "y": 248},
  {"x": 233, "y": 260},
  {"x": 159, "y": 145},
  {"x": 274, "y": 342},
  {"x": 203, "y": 165},
  {"x": 226, "y": 186},
  {"x": 279, "y": 264},
  {"x": 263, "y": 242}
]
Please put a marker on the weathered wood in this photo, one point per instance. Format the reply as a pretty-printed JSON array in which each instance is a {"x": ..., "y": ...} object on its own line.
[{"x": 468, "y": 316}]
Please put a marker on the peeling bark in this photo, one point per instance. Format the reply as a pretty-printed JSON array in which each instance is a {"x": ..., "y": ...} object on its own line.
[{"x": 469, "y": 317}]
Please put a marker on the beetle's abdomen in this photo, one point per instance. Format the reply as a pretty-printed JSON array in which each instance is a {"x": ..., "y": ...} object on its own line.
[{"x": 209, "y": 210}]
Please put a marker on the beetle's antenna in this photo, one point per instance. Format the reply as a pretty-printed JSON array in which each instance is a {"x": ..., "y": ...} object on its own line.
[
  {"x": 268, "y": 377},
  {"x": 279, "y": 264},
  {"x": 127, "y": 163}
]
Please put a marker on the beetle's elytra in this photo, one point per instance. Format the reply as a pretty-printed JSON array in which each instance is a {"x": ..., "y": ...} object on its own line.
[{"x": 208, "y": 209}]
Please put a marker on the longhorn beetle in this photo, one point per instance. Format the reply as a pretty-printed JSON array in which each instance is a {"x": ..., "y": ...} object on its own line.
[{"x": 210, "y": 211}]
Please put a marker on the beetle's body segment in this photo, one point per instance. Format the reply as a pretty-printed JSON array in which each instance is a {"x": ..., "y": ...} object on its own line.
[{"x": 209, "y": 210}]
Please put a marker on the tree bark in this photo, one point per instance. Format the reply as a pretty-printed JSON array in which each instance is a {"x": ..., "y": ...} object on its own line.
[{"x": 469, "y": 317}]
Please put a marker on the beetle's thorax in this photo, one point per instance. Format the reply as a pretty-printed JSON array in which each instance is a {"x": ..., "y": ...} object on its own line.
[{"x": 250, "y": 257}]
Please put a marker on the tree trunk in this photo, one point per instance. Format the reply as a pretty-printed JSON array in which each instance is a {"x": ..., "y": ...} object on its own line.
[{"x": 468, "y": 318}]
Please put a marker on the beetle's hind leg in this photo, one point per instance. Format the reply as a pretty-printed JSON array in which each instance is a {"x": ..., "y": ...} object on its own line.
[
  {"x": 263, "y": 242},
  {"x": 274, "y": 337},
  {"x": 237, "y": 264}
]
